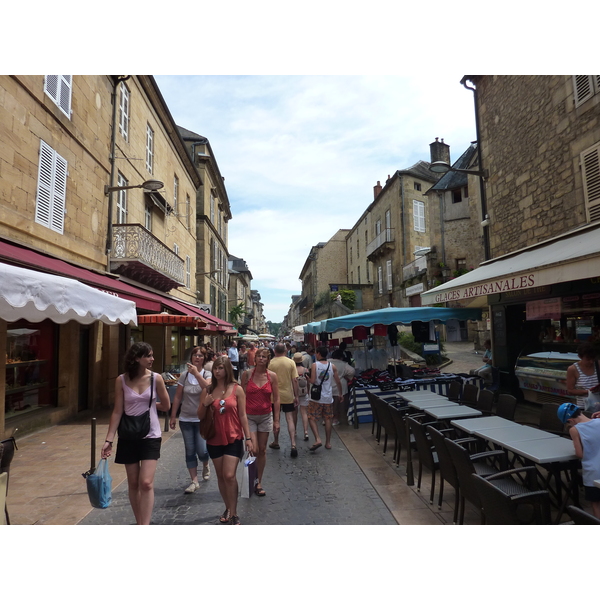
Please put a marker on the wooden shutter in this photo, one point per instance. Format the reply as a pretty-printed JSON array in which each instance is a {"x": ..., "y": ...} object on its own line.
[
  {"x": 389, "y": 274},
  {"x": 52, "y": 187},
  {"x": 380, "y": 278},
  {"x": 583, "y": 87},
  {"x": 590, "y": 170},
  {"x": 59, "y": 88}
]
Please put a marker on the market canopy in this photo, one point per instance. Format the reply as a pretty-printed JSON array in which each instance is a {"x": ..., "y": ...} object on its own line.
[
  {"x": 35, "y": 296},
  {"x": 393, "y": 316}
]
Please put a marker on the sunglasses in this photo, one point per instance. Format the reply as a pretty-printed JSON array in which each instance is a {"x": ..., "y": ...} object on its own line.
[{"x": 222, "y": 405}]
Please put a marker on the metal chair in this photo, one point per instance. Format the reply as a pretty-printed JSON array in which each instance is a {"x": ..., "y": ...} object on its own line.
[
  {"x": 375, "y": 427},
  {"x": 469, "y": 395},
  {"x": 7, "y": 453},
  {"x": 485, "y": 402},
  {"x": 506, "y": 502},
  {"x": 405, "y": 438},
  {"x": 386, "y": 422},
  {"x": 426, "y": 455},
  {"x": 466, "y": 465},
  {"x": 580, "y": 517},
  {"x": 506, "y": 407},
  {"x": 447, "y": 469},
  {"x": 455, "y": 391}
]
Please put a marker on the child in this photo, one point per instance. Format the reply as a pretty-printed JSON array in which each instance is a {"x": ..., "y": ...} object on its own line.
[{"x": 585, "y": 434}]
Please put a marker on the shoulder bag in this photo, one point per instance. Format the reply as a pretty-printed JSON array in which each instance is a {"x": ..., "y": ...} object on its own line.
[
  {"x": 315, "y": 391},
  {"x": 138, "y": 427},
  {"x": 207, "y": 424}
]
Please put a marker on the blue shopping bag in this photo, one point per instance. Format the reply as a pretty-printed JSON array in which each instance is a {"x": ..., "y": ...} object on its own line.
[{"x": 99, "y": 486}]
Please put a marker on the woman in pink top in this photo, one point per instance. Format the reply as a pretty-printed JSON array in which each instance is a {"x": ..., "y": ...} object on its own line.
[
  {"x": 133, "y": 391},
  {"x": 226, "y": 447},
  {"x": 262, "y": 408}
]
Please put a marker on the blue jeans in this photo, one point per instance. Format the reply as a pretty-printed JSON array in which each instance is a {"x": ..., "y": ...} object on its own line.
[{"x": 195, "y": 445}]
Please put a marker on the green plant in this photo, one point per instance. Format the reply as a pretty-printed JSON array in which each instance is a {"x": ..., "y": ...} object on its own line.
[
  {"x": 407, "y": 340},
  {"x": 348, "y": 297},
  {"x": 236, "y": 313}
]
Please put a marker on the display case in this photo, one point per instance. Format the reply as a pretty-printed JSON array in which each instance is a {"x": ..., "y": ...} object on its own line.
[{"x": 542, "y": 376}]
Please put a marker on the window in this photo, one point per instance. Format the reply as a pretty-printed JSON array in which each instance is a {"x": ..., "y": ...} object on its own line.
[
  {"x": 358, "y": 273},
  {"x": 59, "y": 88},
  {"x": 584, "y": 87},
  {"x": 590, "y": 167},
  {"x": 212, "y": 208},
  {"x": 461, "y": 264},
  {"x": 388, "y": 220},
  {"x": 149, "y": 148},
  {"x": 419, "y": 215},
  {"x": 122, "y": 200},
  {"x": 176, "y": 249},
  {"x": 417, "y": 187},
  {"x": 188, "y": 272},
  {"x": 176, "y": 195},
  {"x": 456, "y": 196},
  {"x": 358, "y": 248},
  {"x": 377, "y": 227},
  {"x": 148, "y": 217},
  {"x": 52, "y": 188},
  {"x": 380, "y": 279},
  {"x": 124, "y": 111},
  {"x": 350, "y": 254},
  {"x": 389, "y": 275},
  {"x": 187, "y": 210}
]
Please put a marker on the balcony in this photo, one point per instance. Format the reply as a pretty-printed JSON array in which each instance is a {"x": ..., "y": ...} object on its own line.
[
  {"x": 381, "y": 244},
  {"x": 416, "y": 267},
  {"x": 139, "y": 255}
]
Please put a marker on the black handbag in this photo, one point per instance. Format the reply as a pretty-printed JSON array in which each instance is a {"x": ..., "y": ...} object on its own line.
[
  {"x": 138, "y": 427},
  {"x": 315, "y": 391}
]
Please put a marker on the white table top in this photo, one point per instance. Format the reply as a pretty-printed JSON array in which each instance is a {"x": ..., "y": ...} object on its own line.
[
  {"x": 545, "y": 450},
  {"x": 419, "y": 395},
  {"x": 421, "y": 404},
  {"x": 481, "y": 423},
  {"x": 516, "y": 433},
  {"x": 452, "y": 412},
  {"x": 597, "y": 483}
]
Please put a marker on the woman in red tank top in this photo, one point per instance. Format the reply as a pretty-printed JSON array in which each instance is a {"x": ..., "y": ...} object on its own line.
[{"x": 262, "y": 407}]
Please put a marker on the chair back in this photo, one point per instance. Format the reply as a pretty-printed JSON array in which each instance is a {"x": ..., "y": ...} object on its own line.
[
  {"x": 549, "y": 420},
  {"x": 398, "y": 416},
  {"x": 423, "y": 444},
  {"x": 384, "y": 418},
  {"x": 447, "y": 468},
  {"x": 506, "y": 407},
  {"x": 455, "y": 391},
  {"x": 500, "y": 508},
  {"x": 463, "y": 464},
  {"x": 485, "y": 401},
  {"x": 470, "y": 394},
  {"x": 580, "y": 517},
  {"x": 372, "y": 398}
]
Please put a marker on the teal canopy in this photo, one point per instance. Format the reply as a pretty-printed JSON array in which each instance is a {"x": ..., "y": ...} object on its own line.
[{"x": 393, "y": 316}]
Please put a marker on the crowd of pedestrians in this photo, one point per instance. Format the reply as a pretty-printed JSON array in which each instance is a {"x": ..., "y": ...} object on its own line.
[{"x": 228, "y": 405}]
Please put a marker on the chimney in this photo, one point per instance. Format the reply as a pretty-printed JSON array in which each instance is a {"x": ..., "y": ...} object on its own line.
[
  {"x": 377, "y": 189},
  {"x": 439, "y": 151}
]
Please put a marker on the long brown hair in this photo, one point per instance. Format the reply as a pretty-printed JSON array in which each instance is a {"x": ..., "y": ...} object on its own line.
[
  {"x": 137, "y": 350},
  {"x": 229, "y": 378}
]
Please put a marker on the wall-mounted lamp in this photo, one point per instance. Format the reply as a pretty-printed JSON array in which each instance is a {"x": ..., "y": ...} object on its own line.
[
  {"x": 209, "y": 272},
  {"x": 486, "y": 221},
  {"x": 440, "y": 166},
  {"x": 152, "y": 185}
]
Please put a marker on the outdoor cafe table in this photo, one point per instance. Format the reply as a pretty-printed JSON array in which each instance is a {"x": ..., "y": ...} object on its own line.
[
  {"x": 423, "y": 404},
  {"x": 476, "y": 424},
  {"x": 419, "y": 395},
  {"x": 456, "y": 411}
]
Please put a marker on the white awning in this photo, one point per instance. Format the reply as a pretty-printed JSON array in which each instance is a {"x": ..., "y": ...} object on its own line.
[
  {"x": 35, "y": 296},
  {"x": 569, "y": 257}
]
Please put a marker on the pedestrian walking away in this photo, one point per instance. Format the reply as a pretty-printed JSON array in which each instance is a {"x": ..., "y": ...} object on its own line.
[
  {"x": 226, "y": 447},
  {"x": 322, "y": 373},
  {"x": 262, "y": 409},
  {"x": 234, "y": 357},
  {"x": 303, "y": 385},
  {"x": 287, "y": 377},
  {"x": 134, "y": 393},
  {"x": 189, "y": 387}
]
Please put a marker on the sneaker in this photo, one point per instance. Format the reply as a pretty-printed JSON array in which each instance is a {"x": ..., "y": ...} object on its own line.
[
  {"x": 190, "y": 489},
  {"x": 294, "y": 452},
  {"x": 205, "y": 471},
  {"x": 336, "y": 422}
]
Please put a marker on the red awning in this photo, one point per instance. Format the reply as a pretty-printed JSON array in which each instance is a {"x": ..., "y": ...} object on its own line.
[{"x": 172, "y": 320}]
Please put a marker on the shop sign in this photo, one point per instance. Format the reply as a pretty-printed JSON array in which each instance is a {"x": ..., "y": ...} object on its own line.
[
  {"x": 484, "y": 289},
  {"x": 556, "y": 387},
  {"x": 415, "y": 289},
  {"x": 539, "y": 310}
]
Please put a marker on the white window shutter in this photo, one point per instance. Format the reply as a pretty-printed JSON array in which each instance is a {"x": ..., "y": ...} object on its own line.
[
  {"x": 59, "y": 194},
  {"x": 583, "y": 86},
  {"x": 43, "y": 201},
  {"x": 51, "y": 87},
  {"x": 65, "y": 94},
  {"x": 380, "y": 278},
  {"x": 389, "y": 274},
  {"x": 590, "y": 167}
]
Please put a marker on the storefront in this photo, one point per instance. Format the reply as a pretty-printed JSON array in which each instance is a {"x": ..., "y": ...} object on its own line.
[{"x": 544, "y": 301}]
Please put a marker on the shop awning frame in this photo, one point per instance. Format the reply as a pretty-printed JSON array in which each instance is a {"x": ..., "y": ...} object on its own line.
[
  {"x": 35, "y": 296},
  {"x": 568, "y": 257}
]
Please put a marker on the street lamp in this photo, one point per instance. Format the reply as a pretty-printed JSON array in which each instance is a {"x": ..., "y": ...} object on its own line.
[
  {"x": 152, "y": 185},
  {"x": 440, "y": 166}
]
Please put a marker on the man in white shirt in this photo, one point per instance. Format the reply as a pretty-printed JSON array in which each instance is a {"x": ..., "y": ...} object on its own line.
[{"x": 234, "y": 357}]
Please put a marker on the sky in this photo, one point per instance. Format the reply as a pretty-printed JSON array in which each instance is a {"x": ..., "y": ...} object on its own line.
[{"x": 301, "y": 154}]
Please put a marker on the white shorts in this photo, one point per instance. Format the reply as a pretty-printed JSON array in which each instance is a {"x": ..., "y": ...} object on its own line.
[{"x": 262, "y": 423}]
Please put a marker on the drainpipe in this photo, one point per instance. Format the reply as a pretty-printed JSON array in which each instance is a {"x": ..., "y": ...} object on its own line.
[
  {"x": 109, "y": 229},
  {"x": 486, "y": 230}
]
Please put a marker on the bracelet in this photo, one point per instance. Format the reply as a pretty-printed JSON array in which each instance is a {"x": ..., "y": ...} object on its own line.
[
  {"x": 248, "y": 438},
  {"x": 107, "y": 442}
]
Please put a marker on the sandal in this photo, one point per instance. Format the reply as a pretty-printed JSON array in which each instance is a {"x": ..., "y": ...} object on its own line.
[
  {"x": 235, "y": 520},
  {"x": 259, "y": 491},
  {"x": 274, "y": 445},
  {"x": 225, "y": 517}
]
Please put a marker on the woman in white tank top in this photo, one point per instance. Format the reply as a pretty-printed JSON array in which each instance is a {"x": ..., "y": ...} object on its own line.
[{"x": 582, "y": 378}]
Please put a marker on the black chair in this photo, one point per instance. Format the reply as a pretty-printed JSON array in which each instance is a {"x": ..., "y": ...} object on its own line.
[
  {"x": 455, "y": 391},
  {"x": 427, "y": 457},
  {"x": 7, "y": 453},
  {"x": 375, "y": 427},
  {"x": 485, "y": 402},
  {"x": 549, "y": 420},
  {"x": 386, "y": 422},
  {"x": 447, "y": 469},
  {"x": 469, "y": 395},
  {"x": 506, "y": 502},
  {"x": 467, "y": 464},
  {"x": 580, "y": 517},
  {"x": 405, "y": 438},
  {"x": 506, "y": 407}
]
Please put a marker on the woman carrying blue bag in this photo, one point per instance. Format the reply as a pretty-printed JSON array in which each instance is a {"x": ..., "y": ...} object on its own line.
[
  {"x": 135, "y": 415},
  {"x": 99, "y": 486}
]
